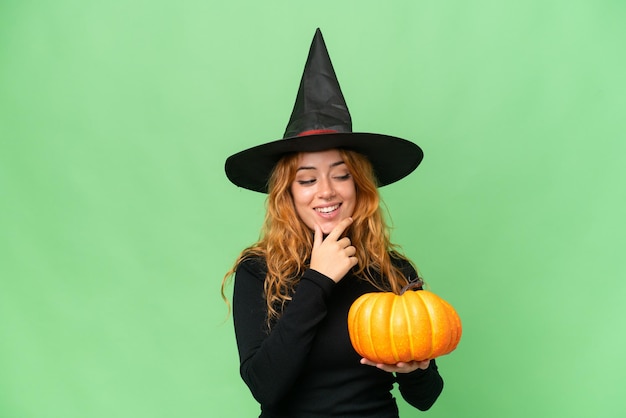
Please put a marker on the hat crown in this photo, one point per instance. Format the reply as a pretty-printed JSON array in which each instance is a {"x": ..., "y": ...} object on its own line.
[{"x": 320, "y": 105}]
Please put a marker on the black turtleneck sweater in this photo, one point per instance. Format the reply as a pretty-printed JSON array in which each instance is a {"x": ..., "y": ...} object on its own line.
[{"x": 306, "y": 366}]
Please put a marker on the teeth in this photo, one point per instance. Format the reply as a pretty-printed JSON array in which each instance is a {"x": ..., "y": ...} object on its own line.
[{"x": 327, "y": 209}]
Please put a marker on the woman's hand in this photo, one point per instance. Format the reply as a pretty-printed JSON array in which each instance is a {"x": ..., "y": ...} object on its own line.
[
  {"x": 333, "y": 256},
  {"x": 401, "y": 367}
]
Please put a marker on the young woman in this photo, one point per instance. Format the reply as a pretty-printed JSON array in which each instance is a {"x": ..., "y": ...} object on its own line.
[{"x": 323, "y": 244}]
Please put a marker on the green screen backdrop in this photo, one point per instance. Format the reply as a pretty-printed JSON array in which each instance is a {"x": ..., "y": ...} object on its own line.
[{"x": 117, "y": 222}]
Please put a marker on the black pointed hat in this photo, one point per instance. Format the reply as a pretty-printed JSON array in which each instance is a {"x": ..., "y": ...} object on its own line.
[{"x": 320, "y": 120}]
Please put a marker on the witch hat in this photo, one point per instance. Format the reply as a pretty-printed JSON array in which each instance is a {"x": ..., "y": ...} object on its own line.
[{"x": 320, "y": 120}]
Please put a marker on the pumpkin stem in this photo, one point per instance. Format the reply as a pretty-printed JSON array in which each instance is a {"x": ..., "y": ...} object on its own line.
[{"x": 412, "y": 285}]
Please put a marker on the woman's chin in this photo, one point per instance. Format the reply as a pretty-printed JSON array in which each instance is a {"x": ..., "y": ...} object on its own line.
[{"x": 327, "y": 227}]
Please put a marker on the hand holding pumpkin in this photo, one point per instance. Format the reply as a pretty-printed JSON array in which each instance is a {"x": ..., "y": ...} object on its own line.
[
  {"x": 401, "y": 367},
  {"x": 386, "y": 328}
]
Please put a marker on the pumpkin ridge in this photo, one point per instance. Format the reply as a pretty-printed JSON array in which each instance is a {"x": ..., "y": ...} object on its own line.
[
  {"x": 354, "y": 321},
  {"x": 450, "y": 333},
  {"x": 455, "y": 326},
  {"x": 365, "y": 327},
  {"x": 392, "y": 337},
  {"x": 451, "y": 326},
  {"x": 408, "y": 329},
  {"x": 369, "y": 333},
  {"x": 432, "y": 327}
]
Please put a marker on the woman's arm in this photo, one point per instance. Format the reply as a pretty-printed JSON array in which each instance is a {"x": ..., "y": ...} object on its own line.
[
  {"x": 270, "y": 363},
  {"x": 422, "y": 387},
  {"x": 419, "y": 381}
]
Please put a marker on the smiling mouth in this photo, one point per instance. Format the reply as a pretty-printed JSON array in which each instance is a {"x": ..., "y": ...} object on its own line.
[{"x": 328, "y": 209}]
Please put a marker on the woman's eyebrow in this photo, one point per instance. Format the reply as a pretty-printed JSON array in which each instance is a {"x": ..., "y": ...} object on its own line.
[{"x": 306, "y": 167}]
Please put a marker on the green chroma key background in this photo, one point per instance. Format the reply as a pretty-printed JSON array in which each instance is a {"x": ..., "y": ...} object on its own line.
[{"x": 117, "y": 222}]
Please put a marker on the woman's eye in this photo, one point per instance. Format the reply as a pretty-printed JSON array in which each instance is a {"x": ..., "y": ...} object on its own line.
[
  {"x": 306, "y": 182},
  {"x": 344, "y": 177}
]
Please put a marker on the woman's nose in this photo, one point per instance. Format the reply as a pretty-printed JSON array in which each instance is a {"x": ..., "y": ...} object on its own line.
[{"x": 326, "y": 190}]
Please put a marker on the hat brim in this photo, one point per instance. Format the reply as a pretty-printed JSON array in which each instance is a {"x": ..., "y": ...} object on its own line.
[{"x": 392, "y": 158}]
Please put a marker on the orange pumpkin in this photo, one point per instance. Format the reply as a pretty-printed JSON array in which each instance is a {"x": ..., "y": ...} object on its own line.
[{"x": 415, "y": 325}]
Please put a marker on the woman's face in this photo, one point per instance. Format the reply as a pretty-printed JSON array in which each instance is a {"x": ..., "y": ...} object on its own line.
[{"x": 323, "y": 190}]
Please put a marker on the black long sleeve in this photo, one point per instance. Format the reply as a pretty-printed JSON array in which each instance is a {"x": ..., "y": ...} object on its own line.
[
  {"x": 305, "y": 366},
  {"x": 270, "y": 364}
]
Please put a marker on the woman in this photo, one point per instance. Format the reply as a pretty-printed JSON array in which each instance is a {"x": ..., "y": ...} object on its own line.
[{"x": 324, "y": 243}]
